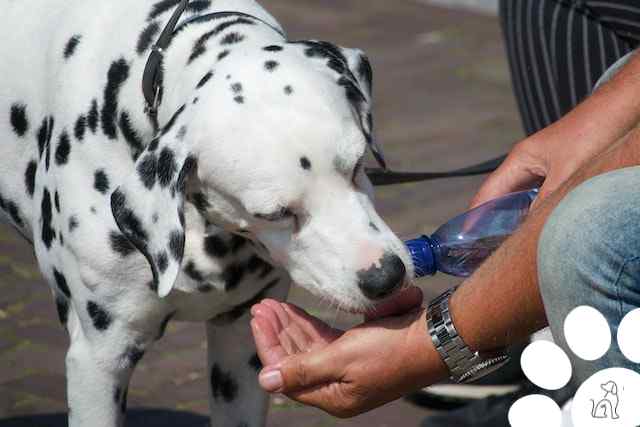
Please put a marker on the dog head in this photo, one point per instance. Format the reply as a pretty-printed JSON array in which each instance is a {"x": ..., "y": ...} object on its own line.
[{"x": 274, "y": 148}]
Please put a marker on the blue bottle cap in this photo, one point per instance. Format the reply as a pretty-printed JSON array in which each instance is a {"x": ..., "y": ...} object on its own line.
[{"x": 424, "y": 260}]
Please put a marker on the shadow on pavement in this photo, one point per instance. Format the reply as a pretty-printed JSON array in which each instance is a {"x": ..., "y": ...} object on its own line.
[{"x": 135, "y": 418}]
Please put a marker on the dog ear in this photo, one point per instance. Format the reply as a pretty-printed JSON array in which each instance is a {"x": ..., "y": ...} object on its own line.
[
  {"x": 360, "y": 68},
  {"x": 148, "y": 206}
]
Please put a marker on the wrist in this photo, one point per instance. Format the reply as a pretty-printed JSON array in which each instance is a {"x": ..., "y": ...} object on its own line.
[{"x": 428, "y": 365}]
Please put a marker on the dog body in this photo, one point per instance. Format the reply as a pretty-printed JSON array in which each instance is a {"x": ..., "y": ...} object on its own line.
[{"x": 249, "y": 174}]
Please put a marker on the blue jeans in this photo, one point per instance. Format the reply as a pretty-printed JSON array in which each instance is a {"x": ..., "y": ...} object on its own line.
[{"x": 589, "y": 254}]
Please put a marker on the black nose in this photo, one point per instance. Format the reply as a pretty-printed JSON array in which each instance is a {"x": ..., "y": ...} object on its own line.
[{"x": 378, "y": 282}]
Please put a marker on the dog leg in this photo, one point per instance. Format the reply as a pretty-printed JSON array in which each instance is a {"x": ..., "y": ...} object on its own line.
[
  {"x": 236, "y": 399},
  {"x": 99, "y": 365}
]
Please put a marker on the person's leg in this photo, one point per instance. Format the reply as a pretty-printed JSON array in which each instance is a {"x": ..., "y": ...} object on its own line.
[
  {"x": 589, "y": 254},
  {"x": 557, "y": 50}
]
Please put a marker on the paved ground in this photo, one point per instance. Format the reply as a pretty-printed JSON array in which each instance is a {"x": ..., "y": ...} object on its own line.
[{"x": 443, "y": 100}]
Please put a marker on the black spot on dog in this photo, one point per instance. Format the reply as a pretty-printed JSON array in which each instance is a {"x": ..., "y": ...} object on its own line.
[
  {"x": 18, "y": 119},
  {"x": 271, "y": 65},
  {"x": 93, "y": 210},
  {"x": 30, "y": 177},
  {"x": 72, "y": 44},
  {"x": 167, "y": 167},
  {"x": 14, "y": 213},
  {"x": 163, "y": 325},
  {"x": 365, "y": 72},
  {"x": 147, "y": 36},
  {"x": 273, "y": 48},
  {"x": 73, "y": 223},
  {"x": 56, "y": 201},
  {"x": 256, "y": 263},
  {"x": 101, "y": 181},
  {"x": 215, "y": 247},
  {"x": 80, "y": 128},
  {"x": 62, "y": 283},
  {"x": 162, "y": 261},
  {"x": 120, "y": 244},
  {"x": 133, "y": 355},
  {"x": 288, "y": 90},
  {"x": 305, "y": 163},
  {"x": 130, "y": 135},
  {"x": 123, "y": 402},
  {"x": 116, "y": 395},
  {"x": 62, "y": 307},
  {"x": 223, "y": 386},
  {"x": 232, "y": 38},
  {"x": 232, "y": 275},
  {"x": 63, "y": 150},
  {"x": 42, "y": 136},
  {"x": 155, "y": 217},
  {"x": 127, "y": 220},
  {"x": 239, "y": 99},
  {"x": 192, "y": 271},
  {"x": 199, "y": 48},
  {"x": 165, "y": 5},
  {"x": 48, "y": 233},
  {"x": 181, "y": 216},
  {"x": 195, "y": 100},
  {"x": 240, "y": 310},
  {"x": 255, "y": 363},
  {"x": 205, "y": 288},
  {"x": 61, "y": 239},
  {"x": 99, "y": 316},
  {"x": 237, "y": 243},
  {"x": 373, "y": 226},
  {"x": 200, "y": 201},
  {"x": 176, "y": 244},
  {"x": 236, "y": 87},
  {"x": 118, "y": 73},
  {"x": 204, "y": 80},
  {"x": 93, "y": 117},
  {"x": 223, "y": 54},
  {"x": 147, "y": 170},
  {"x": 171, "y": 122},
  {"x": 354, "y": 95}
]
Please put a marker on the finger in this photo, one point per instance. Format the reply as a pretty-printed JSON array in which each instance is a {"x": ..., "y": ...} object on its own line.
[
  {"x": 294, "y": 332},
  {"x": 286, "y": 340},
  {"x": 508, "y": 178},
  {"x": 268, "y": 346},
  {"x": 312, "y": 326},
  {"x": 403, "y": 302},
  {"x": 303, "y": 371}
]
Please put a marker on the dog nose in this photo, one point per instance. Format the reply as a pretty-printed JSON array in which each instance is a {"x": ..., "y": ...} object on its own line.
[{"x": 378, "y": 282}]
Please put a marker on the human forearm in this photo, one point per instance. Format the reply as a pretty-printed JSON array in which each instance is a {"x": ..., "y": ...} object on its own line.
[{"x": 501, "y": 303}]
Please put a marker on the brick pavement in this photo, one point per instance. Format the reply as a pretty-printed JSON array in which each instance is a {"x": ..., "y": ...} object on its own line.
[{"x": 442, "y": 99}]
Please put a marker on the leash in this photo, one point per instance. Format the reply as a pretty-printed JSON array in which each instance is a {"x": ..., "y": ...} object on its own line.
[{"x": 152, "y": 90}]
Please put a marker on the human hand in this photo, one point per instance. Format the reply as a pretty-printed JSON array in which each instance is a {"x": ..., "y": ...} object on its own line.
[{"x": 343, "y": 373}]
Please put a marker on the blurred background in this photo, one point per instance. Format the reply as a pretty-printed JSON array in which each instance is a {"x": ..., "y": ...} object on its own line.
[{"x": 442, "y": 100}]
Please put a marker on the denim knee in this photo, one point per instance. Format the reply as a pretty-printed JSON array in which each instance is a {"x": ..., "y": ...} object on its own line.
[{"x": 589, "y": 253}]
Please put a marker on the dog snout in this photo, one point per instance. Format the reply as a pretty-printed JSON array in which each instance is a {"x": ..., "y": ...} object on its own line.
[{"x": 382, "y": 278}]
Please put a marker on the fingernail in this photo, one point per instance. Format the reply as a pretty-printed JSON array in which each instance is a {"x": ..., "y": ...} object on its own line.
[{"x": 271, "y": 381}]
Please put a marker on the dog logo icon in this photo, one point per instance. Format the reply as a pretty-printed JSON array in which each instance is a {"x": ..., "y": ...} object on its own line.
[{"x": 607, "y": 407}]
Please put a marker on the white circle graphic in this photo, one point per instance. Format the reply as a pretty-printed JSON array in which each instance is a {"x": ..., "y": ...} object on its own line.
[
  {"x": 535, "y": 410},
  {"x": 628, "y": 336},
  {"x": 546, "y": 365},
  {"x": 587, "y": 333},
  {"x": 609, "y": 398}
]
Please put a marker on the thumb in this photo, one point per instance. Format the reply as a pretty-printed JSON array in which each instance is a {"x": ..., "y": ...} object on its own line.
[{"x": 301, "y": 371}]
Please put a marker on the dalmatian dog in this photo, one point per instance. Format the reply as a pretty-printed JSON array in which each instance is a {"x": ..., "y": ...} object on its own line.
[{"x": 247, "y": 178}]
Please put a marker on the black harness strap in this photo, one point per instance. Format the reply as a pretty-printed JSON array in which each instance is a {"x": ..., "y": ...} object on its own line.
[{"x": 151, "y": 88}]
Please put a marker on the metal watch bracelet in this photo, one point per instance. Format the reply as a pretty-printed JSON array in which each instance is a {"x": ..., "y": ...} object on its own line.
[{"x": 464, "y": 364}]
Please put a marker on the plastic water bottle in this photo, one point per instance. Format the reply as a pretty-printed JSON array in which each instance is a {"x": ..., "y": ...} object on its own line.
[{"x": 462, "y": 244}]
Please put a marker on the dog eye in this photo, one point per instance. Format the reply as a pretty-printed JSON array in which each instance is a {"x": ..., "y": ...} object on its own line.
[{"x": 279, "y": 215}]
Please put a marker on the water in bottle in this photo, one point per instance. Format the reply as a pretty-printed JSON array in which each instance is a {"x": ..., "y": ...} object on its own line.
[{"x": 462, "y": 244}]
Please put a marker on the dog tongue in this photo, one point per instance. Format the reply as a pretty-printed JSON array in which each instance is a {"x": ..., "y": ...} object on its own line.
[{"x": 400, "y": 303}]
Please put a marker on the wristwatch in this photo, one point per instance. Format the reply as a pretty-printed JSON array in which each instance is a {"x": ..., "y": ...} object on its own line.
[{"x": 465, "y": 365}]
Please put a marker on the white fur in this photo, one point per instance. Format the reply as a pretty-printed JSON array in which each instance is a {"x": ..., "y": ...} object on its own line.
[{"x": 248, "y": 162}]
